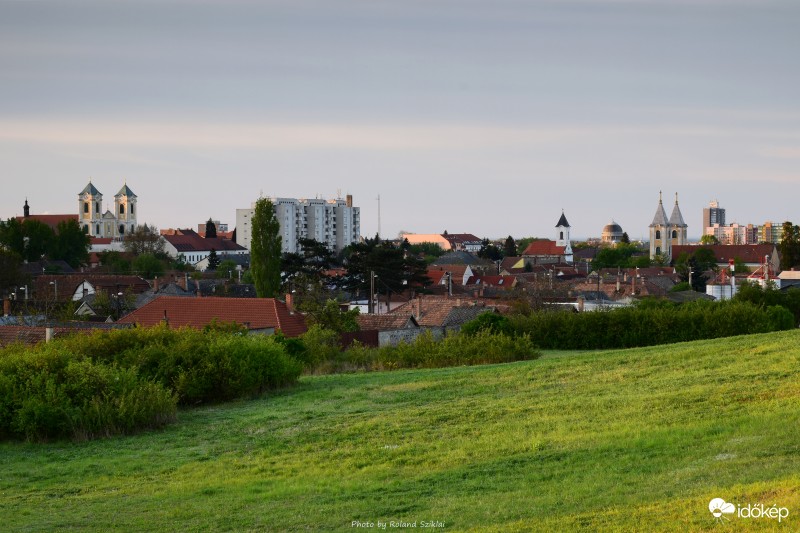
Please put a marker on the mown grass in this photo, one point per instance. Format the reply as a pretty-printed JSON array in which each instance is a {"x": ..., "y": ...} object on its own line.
[{"x": 630, "y": 440}]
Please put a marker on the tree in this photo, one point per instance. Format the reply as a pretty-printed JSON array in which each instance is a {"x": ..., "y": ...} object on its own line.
[
  {"x": 625, "y": 239},
  {"x": 70, "y": 244},
  {"x": 226, "y": 268},
  {"x": 329, "y": 316},
  {"x": 693, "y": 267},
  {"x": 145, "y": 239},
  {"x": 489, "y": 251},
  {"x": 148, "y": 266},
  {"x": 211, "y": 229},
  {"x": 265, "y": 250},
  {"x": 213, "y": 260},
  {"x": 790, "y": 246},
  {"x": 395, "y": 269},
  {"x": 709, "y": 239},
  {"x": 114, "y": 262},
  {"x": 510, "y": 247},
  {"x": 11, "y": 274}
]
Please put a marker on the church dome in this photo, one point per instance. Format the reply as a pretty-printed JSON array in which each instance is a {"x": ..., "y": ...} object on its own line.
[{"x": 612, "y": 232}]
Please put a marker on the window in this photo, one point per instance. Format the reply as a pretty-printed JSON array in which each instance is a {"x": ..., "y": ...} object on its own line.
[
  {"x": 86, "y": 229},
  {"x": 97, "y": 207},
  {"x": 132, "y": 206},
  {"x": 97, "y": 230},
  {"x": 561, "y": 236},
  {"x": 674, "y": 234},
  {"x": 121, "y": 209},
  {"x": 122, "y": 229},
  {"x": 85, "y": 207},
  {"x": 658, "y": 250},
  {"x": 658, "y": 236}
]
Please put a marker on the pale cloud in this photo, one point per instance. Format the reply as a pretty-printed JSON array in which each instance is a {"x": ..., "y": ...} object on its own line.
[{"x": 780, "y": 152}]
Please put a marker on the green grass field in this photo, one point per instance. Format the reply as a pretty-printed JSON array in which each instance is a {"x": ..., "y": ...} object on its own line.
[{"x": 632, "y": 440}]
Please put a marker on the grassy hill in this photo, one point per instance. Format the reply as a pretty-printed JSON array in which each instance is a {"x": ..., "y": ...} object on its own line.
[{"x": 626, "y": 440}]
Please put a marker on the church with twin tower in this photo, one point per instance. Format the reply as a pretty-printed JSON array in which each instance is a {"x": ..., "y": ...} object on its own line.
[
  {"x": 666, "y": 233},
  {"x": 109, "y": 224}
]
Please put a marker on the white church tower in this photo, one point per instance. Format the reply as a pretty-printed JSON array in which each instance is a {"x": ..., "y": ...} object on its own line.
[
  {"x": 90, "y": 201},
  {"x": 125, "y": 210},
  {"x": 562, "y": 228},
  {"x": 666, "y": 233}
]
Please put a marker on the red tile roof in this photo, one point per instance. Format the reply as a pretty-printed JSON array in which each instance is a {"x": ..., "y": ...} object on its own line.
[
  {"x": 386, "y": 322},
  {"x": 493, "y": 281},
  {"x": 747, "y": 253},
  {"x": 50, "y": 220},
  {"x": 255, "y": 313},
  {"x": 544, "y": 248},
  {"x": 186, "y": 240}
]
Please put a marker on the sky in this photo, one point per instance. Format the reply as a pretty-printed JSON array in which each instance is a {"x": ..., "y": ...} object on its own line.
[{"x": 462, "y": 115}]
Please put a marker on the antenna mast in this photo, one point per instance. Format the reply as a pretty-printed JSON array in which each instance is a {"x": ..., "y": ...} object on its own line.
[{"x": 379, "y": 215}]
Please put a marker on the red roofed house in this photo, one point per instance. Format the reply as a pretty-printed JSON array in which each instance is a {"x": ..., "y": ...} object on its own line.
[
  {"x": 547, "y": 251},
  {"x": 752, "y": 255},
  {"x": 258, "y": 315},
  {"x": 193, "y": 248}
]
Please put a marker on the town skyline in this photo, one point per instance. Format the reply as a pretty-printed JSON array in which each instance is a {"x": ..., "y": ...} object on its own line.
[{"x": 462, "y": 117}]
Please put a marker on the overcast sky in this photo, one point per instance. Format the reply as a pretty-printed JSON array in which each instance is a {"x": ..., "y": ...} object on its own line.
[{"x": 485, "y": 117}]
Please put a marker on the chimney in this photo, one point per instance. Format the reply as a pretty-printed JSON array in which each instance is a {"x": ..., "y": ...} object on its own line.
[
  {"x": 289, "y": 302},
  {"x": 6, "y": 307},
  {"x": 155, "y": 284},
  {"x": 186, "y": 282},
  {"x": 419, "y": 306}
]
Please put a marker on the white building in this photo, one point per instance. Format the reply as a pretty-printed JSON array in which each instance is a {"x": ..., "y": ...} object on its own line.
[{"x": 333, "y": 222}]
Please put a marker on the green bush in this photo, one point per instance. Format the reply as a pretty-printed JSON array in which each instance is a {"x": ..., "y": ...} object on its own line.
[
  {"x": 321, "y": 345},
  {"x": 491, "y": 322},
  {"x": 113, "y": 382},
  {"x": 647, "y": 324},
  {"x": 46, "y": 392},
  {"x": 457, "y": 349}
]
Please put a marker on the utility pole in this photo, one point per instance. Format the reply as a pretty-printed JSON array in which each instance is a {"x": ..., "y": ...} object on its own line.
[
  {"x": 379, "y": 215},
  {"x": 371, "y": 305}
]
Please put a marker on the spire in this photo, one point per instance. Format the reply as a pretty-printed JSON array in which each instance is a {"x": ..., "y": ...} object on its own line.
[
  {"x": 660, "y": 218},
  {"x": 90, "y": 189},
  {"x": 26, "y": 210},
  {"x": 562, "y": 221},
  {"x": 676, "y": 219}
]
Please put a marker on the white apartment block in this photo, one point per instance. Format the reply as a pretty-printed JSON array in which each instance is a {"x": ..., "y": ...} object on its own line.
[{"x": 333, "y": 222}]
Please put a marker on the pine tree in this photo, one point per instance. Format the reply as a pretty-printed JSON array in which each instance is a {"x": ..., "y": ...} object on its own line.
[
  {"x": 211, "y": 229},
  {"x": 265, "y": 250},
  {"x": 510, "y": 247},
  {"x": 213, "y": 260}
]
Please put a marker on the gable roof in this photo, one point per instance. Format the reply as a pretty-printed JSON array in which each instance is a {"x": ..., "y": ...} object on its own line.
[
  {"x": 254, "y": 313},
  {"x": 506, "y": 282},
  {"x": 442, "y": 312},
  {"x": 49, "y": 220},
  {"x": 187, "y": 240},
  {"x": 747, "y": 253},
  {"x": 386, "y": 322},
  {"x": 67, "y": 284},
  {"x": 544, "y": 247}
]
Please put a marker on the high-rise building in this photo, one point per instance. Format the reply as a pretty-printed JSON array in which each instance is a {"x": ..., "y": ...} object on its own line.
[
  {"x": 336, "y": 223},
  {"x": 713, "y": 214}
]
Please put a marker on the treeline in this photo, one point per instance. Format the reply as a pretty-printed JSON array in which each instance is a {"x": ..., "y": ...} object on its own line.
[
  {"x": 650, "y": 324},
  {"x": 123, "y": 381}
]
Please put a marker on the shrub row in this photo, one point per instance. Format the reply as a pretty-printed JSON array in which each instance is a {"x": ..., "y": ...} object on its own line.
[
  {"x": 121, "y": 381},
  {"x": 648, "y": 325},
  {"x": 484, "y": 347}
]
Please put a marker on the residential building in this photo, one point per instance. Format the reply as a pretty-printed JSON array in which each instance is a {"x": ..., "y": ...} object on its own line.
[
  {"x": 667, "y": 233},
  {"x": 193, "y": 249},
  {"x": 734, "y": 233},
  {"x": 259, "y": 315},
  {"x": 336, "y": 223},
  {"x": 459, "y": 242},
  {"x": 770, "y": 232},
  {"x": 752, "y": 255}
]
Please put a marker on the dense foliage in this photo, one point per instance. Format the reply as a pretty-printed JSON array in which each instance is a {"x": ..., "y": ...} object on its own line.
[
  {"x": 124, "y": 380},
  {"x": 650, "y": 324},
  {"x": 33, "y": 240},
  {"x": 265, "y": 250},
  {"x": 323, "y": 354}
]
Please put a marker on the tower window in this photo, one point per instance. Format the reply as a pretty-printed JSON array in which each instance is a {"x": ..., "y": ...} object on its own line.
[
  {"x": 85, "y": 207},
  {"x": 97, "y": 207},
  {"x": 122, "y": 229},
  {"x": 674, "y": 234},
  {"x": 98, "y": 230},
  {"x": 121, "y": 209},
  {"x": 658, "y": 235},
  {"x": 86, "y": 229},
  {"x": 658, "y": 250},
  {"x": 132, "y": 206},
  {"x": 561, "y": 236}
]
